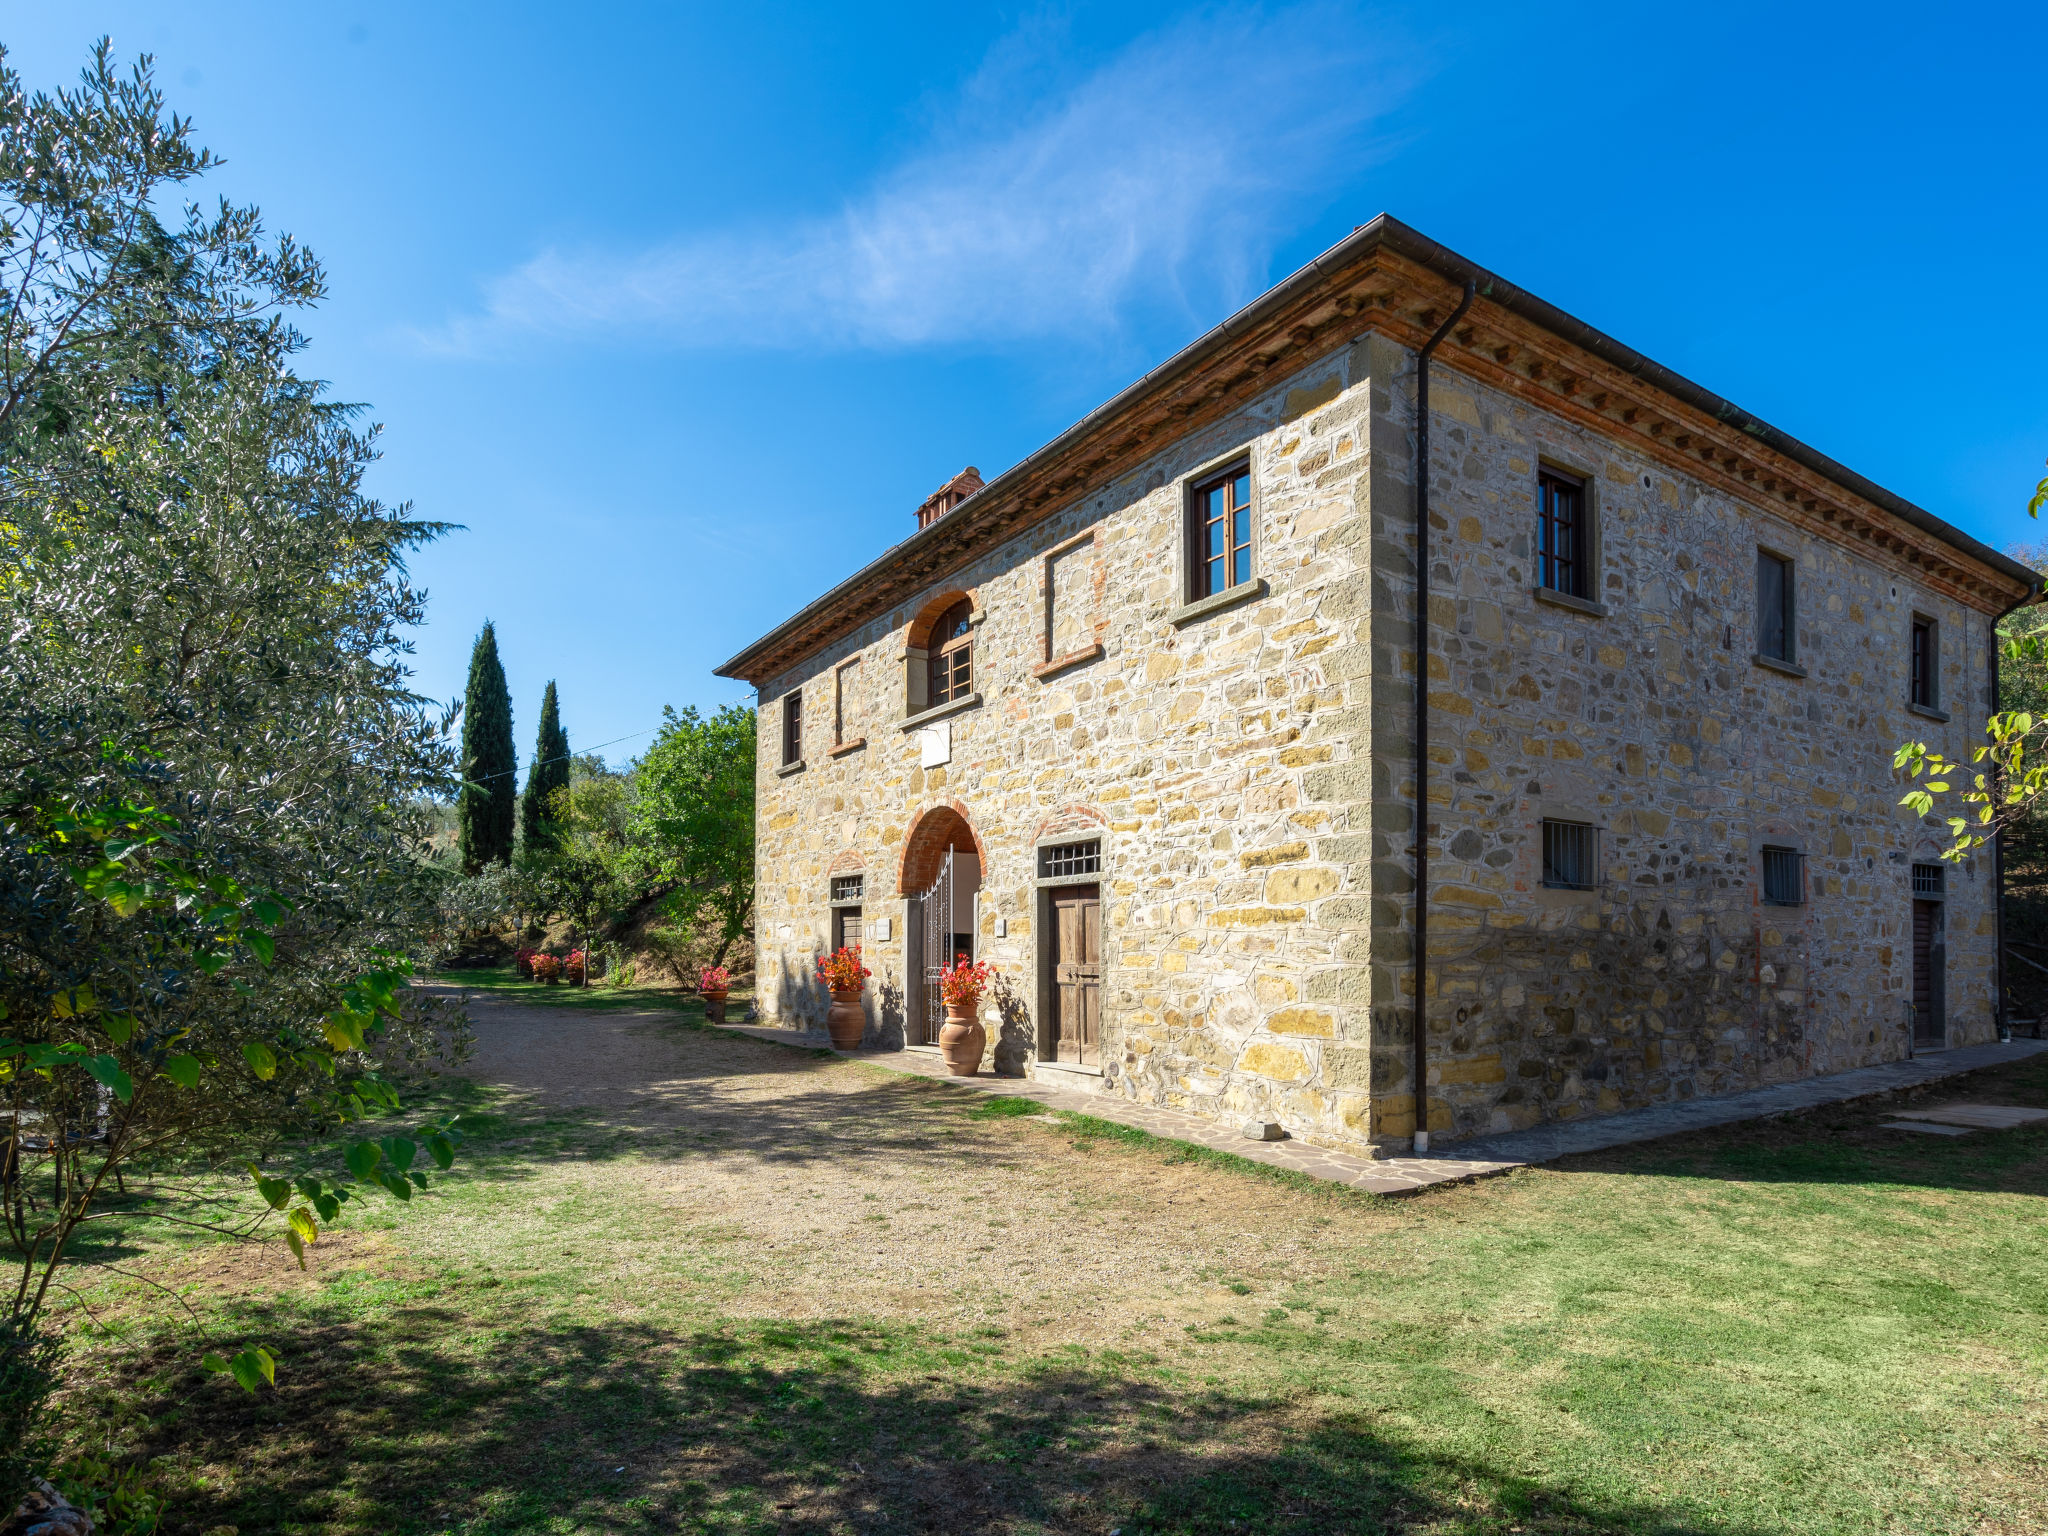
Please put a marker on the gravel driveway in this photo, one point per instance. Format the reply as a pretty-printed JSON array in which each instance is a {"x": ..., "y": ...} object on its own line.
[{"x": 847, "y": 1188}]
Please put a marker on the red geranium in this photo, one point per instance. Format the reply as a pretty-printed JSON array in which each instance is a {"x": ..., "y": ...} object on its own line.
[
  {"x": 714, "y": 978},
  {"x": 843, "y": 972},
  {"x": 962, "y": 983},
  {"x": 546, "y": 967}
]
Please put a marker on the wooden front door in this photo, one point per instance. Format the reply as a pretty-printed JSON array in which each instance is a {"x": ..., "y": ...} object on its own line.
[
  {"x": 1077, "y": 973},
  {"x": 1930, "y": 955}
]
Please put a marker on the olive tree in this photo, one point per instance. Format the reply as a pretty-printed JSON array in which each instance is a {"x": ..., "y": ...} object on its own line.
[{"x": 211, "y": 756}]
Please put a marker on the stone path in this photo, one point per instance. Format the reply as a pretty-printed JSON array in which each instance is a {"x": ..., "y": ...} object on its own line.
[
  {"x": 1475, "y": 1159},
  {"x": 1562, "y": 1140}
]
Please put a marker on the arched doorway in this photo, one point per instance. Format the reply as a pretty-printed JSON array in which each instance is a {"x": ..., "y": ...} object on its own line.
[{"x": 941, "y": 876}]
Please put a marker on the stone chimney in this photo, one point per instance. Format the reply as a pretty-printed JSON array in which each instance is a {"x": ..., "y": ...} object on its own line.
[{"x": 949, "y": 496}]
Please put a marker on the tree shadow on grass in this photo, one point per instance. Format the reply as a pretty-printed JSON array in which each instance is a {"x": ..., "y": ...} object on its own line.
[
  {"x": 833, "y": 1426},
  {"x": 707, "y": 1112},
  {"x": 1849, "y": 1144}
]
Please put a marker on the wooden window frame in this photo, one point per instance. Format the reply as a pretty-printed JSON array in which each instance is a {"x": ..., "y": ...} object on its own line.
[
  {"x": 948, "y": 656},
  {"x": 839, "y": 903},
  {"x": 1788, "y": 605},
  {"x": 1923, "y": 662},
  {"x": 1196, "y": 524},
  {"x": 793, "y": 728},
  {"x": 1579, "y": 563}
]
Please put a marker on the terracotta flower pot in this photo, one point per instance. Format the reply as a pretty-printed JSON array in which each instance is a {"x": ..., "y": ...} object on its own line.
[
  {"x": 846, "y": 1021},
  {"x": 962, "y": 1040},
  {"x": 714, "y": 1005}
]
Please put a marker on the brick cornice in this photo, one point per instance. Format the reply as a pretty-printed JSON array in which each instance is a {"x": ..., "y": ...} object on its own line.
[
  {"x": 1365, "y": 285},
  {"x": 1518, "y": 357}
]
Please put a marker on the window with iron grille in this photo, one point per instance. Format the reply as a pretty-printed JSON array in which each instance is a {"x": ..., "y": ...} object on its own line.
[
  {"x": 1070, "y": 860},
  {"x": 1784, "y": 879},
  {"x": 952, "y": 655},
  {"x": 1220, "y": 533},
  {"x": 1930, "y": 880},
  {"x": 1773, "y": 606},
  {"x": 1568, "y": 850},
  {"x": 1561, "y": 553},
  {"x": 793, "y": 727},
  {"x": 1924, "y": 669},
  {"x": 847, "y": 887}
]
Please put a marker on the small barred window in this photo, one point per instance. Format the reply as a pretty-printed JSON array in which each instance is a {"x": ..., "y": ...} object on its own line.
[
  {"x": 1568, "y": 853},
  {"x": 1930, "y": 880},
  {"x": 1784, "y": 879},
  {"x": 1070, "y": 860},
  {"x": 848, "y": 887}
]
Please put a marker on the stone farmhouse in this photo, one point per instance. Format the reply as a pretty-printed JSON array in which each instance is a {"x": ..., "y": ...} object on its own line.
[{"x": 1141, "y": 721}]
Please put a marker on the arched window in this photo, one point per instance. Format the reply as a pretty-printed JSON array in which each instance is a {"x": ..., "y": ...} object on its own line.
[{"x": 951, "y": 649}]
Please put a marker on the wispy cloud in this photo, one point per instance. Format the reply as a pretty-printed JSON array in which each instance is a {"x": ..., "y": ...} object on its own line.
[{"x": 1160, "y": 179}]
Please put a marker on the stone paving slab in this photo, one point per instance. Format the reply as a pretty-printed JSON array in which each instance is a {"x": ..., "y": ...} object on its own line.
[
  {"x": 1925, "y": 1128},
  {"x": 1395, "y": 1176},
  {"x": 1978, "y": 1117},
  {"x": 1549, "y": 1142}
]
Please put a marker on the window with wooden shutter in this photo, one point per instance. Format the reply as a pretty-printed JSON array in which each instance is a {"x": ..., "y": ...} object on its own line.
[
  {"x": 951, "y": 649},
  {"x": 1926, "y": 665},
  {"x": 793, "y": 727},
  {"x": 1773, "y": 606}
]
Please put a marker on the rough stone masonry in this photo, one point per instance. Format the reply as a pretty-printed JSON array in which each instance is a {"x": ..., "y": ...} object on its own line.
[{"x": 1242, "y": 759}]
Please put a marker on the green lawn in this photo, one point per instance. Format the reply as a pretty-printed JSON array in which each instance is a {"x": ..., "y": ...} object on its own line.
[{"x": 610, "y": 1322}]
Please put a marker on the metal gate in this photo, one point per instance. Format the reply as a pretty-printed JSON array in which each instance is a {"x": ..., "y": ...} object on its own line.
[{"x": 935, "y": 934}]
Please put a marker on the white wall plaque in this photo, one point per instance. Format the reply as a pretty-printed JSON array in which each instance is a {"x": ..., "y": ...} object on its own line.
[
  {"x": 935, "y": 744},
  {"x": 882, "y": 929}
]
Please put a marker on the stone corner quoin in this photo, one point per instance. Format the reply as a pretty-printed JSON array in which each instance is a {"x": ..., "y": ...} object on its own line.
[{"x": 1246, "y": 774}]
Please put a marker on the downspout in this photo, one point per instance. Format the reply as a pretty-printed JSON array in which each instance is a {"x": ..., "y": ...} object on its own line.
[
  {"x": 1999, "y": 1016},
  {"x": 1421, "y": 1066}
]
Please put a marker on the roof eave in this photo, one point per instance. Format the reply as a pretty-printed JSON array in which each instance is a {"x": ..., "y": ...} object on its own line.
[{"x": 1386, "y": 231}]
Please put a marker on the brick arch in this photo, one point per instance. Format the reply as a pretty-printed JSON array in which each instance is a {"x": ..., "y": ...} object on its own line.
[
  {"x": 1071, "y": 818},
  {"x": 848, "y": 862},
  {"x": 920, "y": 630},
  {"x": 937, "y": 828}
]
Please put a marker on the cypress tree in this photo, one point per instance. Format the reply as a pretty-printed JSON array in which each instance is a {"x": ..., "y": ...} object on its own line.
[
  {"x": 489, "y": 763},
  {"x": 549, "y": 773}
]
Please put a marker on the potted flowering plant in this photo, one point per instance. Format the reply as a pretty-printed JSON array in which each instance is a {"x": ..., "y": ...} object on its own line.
[
  {"x": 522, "y": 960},
  {"x": 546, "y": 967},
  {"x": 574, "y": 967},
  {"x": 713, "y": 982},
  {"x": 962, "y": 1038},
  {"x": 845, "y": 977}
]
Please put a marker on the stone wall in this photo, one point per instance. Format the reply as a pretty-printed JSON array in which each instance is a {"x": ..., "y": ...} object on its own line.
[
  {"x": 1653, "y": 722},
  {"x": 1249, "y": 769},
  {"x": 1235, "y": 920}
]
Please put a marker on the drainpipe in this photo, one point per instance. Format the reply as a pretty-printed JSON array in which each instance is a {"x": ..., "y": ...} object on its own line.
[
  {"x": 1999, "y": 1014},
  {"x": 1421, "y": 1067}
]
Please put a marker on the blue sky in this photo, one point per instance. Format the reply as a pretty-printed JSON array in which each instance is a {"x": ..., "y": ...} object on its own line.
[{"x": 681, "y": 310}]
